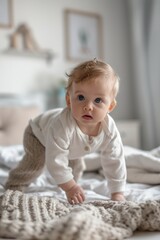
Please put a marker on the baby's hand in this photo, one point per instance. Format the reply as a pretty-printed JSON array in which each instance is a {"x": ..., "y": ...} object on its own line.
[
  {"x": 75, "y": 195},
  {"x": 117, "y": 196}
]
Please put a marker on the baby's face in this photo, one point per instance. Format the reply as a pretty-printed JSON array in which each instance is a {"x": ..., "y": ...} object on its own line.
[{"x": 90, "y": 101}]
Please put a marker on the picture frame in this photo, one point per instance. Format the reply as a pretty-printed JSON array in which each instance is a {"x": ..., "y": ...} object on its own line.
[
  {"x": 6, "y": 19},
  {"x": 83, "y": 35}
]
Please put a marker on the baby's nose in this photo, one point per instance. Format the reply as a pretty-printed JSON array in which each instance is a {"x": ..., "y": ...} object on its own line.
[{"x": 88, "y": 106}]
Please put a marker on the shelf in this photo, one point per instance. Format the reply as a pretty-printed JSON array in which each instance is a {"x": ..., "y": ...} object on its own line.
[{"x": 47, "y": 55}]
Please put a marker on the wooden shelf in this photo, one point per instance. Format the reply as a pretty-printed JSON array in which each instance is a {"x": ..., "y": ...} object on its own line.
[{"x": 47, "y": 55}]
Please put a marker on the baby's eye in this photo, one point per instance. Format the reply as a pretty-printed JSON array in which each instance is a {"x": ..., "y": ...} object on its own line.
[
  {"x": 98, "y": 100},
  {"x": 81, "y": 97}
]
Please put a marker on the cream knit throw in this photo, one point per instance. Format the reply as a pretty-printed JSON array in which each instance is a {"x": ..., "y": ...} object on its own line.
[{"x": 34, "y": 217}]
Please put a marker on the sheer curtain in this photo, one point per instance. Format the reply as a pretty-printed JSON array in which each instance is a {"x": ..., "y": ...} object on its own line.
[{"x": 144, "y": 19}]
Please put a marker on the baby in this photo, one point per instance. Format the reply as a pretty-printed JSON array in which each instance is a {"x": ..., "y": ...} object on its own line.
[{"x": 60, "y": 138}]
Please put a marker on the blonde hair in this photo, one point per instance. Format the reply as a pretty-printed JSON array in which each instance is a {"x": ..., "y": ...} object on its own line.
[{"x": 90, "y": 70}]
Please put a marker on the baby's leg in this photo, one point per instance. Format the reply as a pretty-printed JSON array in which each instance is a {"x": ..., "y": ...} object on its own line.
[
  {"x": 78, "y": 167},
  {"x": 31, "y": 165}
]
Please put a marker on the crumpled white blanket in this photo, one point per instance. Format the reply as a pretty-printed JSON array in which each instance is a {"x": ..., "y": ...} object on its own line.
[
  {"x": 9, "y": 158},
  {"x": 142, "y": 166}
]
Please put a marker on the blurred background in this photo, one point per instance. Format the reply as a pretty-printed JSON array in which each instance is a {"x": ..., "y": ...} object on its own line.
[{"x": 124, "y": 33}]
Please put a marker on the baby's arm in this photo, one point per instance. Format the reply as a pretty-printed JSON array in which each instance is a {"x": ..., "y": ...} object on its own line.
[
  {"x": 74, "y": 192},
  {"x": 117, "y": 196}
]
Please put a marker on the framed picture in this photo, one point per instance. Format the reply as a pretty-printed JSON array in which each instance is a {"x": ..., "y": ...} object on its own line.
[
  {"x": 5, "y": 13},
  {"x": 83, "y": 35}
]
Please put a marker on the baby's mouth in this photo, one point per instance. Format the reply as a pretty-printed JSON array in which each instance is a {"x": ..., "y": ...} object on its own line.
[{"x": 87, "y": 117}]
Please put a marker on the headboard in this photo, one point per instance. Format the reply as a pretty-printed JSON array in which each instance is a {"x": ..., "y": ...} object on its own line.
[
  {"x": 14, "y": 116},
  {"x": 13, "y": 121}
]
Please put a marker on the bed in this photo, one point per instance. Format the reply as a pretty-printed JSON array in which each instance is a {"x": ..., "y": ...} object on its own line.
[{"x": 42, "y": 212}]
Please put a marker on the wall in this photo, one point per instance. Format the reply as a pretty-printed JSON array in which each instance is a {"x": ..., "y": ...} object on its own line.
[{"x": 46, "y": 20}]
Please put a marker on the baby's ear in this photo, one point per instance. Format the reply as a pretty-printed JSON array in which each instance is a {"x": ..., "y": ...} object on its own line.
[
  {"x": 68, "y": 99},
  {"x": 112, "y": 105}
]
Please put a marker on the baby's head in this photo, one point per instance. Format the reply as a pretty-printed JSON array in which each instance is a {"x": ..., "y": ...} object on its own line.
[
  {"x": 90, "y": 70},
  {"x": 91, "y": 92}
]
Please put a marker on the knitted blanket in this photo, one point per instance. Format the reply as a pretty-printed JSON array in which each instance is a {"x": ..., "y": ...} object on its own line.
[{"x": 33, "y": 217}]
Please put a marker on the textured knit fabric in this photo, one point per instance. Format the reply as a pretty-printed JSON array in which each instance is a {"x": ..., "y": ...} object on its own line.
[
  {"x": 58, "y": 132},
  {"x": 31, "y": 165},
  {"x": 34, "y": 217}
]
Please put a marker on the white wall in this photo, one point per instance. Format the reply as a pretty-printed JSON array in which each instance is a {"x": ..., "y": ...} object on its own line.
[{"x": 46, "y": 20}]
